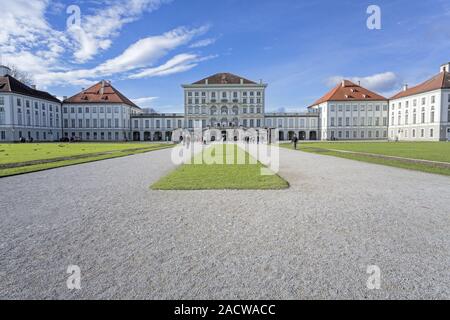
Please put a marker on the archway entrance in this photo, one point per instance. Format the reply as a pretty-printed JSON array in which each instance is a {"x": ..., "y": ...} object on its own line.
[
  {"x": 147, "y": 136},
  {"x": 281, "y": 136},
  {"x": 157, "y": 136},
  {"x": 136, "y": 136},
  {"x": 224, "y": 135},
  {"x": 313, "y": 135},
  {"x": 291, "y": 135},
  {"x": 302, "y": 135},
  {"x": 168, "y": 136}
]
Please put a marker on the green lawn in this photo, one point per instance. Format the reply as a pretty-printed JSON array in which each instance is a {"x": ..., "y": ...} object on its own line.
[
  {"x": 235, "y": 169},
  {"x": 30, "y": 157},
  {"x": 432, "y": 151}
]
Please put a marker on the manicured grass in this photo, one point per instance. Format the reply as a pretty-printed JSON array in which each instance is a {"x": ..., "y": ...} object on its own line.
[
  {"x": 233, "y": 169},
  {"x": 24, "y": 158},
  {"x": 431, "y": 151}
]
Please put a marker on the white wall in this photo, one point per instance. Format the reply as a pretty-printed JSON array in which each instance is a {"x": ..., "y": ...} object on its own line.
[
  {"x": 412, "y": 120},
  {"x": 24, "y": 116}
]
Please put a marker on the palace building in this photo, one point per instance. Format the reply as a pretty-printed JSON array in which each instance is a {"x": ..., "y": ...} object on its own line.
[
  {"x": 26, "y": 112},
  {"x": 422, "y": 112},
  {"x": 351, "y": 112},
  {"x": 224, "y": 104}
]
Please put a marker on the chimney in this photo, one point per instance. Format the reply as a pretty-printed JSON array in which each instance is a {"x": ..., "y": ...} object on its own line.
[
  {"x": 405, "y": 87},
  {"x": 343, "y": 83},
  {"x": 260, "y": 81},
  {"x": 359, "y": 83},
  {"x": 206, "y": 81},
  {"x": 445, "y": 67},
  {"x": 242, "y": 81},
  {"x": 102, "y": 89},
  {"x": 33, "y": 86}
]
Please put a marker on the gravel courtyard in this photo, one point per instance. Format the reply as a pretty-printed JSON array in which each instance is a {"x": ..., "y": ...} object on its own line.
[{"x": 313, "y": 240}]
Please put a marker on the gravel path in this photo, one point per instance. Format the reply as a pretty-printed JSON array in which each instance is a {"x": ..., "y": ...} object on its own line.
[{"x": 314, "y": 240}]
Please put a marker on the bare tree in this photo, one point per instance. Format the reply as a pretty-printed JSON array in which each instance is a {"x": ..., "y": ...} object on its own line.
[{"x": 20, "y": 75}]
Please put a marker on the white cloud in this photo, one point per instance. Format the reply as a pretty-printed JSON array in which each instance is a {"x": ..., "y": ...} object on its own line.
[
  {"x": 380, "y": 82},
  {"x": 96, "y": 31},
  {"x": 203, "y": 43},
  {"x": 179, "y": 63},
  {"x": 147, "y": 51},
  {"x": 144, "y": 53},
  {"x": 28, "y": 41}
]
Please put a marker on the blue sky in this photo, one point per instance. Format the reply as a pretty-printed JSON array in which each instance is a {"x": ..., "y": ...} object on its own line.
[{"x": 148, "y": 48}]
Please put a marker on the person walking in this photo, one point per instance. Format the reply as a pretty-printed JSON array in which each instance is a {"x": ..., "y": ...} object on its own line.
[{"x": 295, "y": 141}]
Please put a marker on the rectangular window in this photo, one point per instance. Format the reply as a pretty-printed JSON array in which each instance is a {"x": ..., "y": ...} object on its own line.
[
  {"x": 80, "y": 123},
  {"x": 2, "y": 101}
]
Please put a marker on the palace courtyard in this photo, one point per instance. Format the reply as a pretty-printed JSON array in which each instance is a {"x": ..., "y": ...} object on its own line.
[{"x": 314, "y": 239}]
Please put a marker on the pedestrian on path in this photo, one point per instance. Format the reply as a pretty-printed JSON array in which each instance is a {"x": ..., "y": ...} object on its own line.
[{"x": 295, "y": 141}]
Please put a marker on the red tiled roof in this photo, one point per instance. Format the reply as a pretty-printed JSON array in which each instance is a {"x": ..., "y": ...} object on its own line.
[
  {"x": 102, "y": 92},
  {"x": 10, "y": 84},
  {"x": 224, "y": 78},
  {"x": 439, "y": 81},
  {"x": 348, "y": 91}
]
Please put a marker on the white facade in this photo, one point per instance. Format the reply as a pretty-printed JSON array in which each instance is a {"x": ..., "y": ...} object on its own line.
[
  {"x": 224, "y": 105},
  {"x": 353, "y": 120},
  {"x": 415, "y": 116},
  {"x": 98, "y": 121},
  {"x": 421, "y": 117},
  {"x": 156, "y": 127},
  {"x": 305, "y": 126},
  {"x": 28, "y": 117}
]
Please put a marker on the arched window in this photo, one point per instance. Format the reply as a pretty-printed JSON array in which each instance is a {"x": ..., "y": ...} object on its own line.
[
  {"x": 213, "y": 110},
  {"x": 235, "y": 110},
  {"x": 224, "y": 110}
]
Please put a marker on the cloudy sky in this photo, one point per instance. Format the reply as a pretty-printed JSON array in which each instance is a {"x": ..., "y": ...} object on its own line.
[{"x": 148, "y": 48}]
